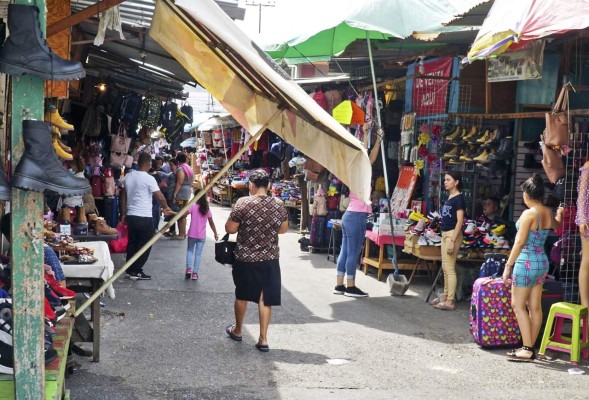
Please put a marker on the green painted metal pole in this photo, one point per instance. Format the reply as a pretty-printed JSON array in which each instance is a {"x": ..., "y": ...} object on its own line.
[{"x": 27, "y": 245}]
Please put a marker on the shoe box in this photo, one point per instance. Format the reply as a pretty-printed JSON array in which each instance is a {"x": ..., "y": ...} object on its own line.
[
  {"x": 427, "y": 251},
  {"x": 410, "y": 242}
]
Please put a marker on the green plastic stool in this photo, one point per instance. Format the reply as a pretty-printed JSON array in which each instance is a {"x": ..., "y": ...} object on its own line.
[{"x": 575, "y": 345}]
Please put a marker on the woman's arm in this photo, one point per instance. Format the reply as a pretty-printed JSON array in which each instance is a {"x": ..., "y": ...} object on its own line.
[
  {"x": 231, "y": 226},
  {"x": 374, "y": 152},
  {"x": 457, "y": 230},
  {"x": 214, "y": 228},
  {"x": 283, "y": 227},
  {"x": 525, "y": 224},
  {"x": 179, "y": 180}
]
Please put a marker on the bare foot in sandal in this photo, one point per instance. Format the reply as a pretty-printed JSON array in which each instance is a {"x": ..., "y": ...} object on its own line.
[
  {"x": 437, "y": 300},
  {"x": 446, "y": 305}
]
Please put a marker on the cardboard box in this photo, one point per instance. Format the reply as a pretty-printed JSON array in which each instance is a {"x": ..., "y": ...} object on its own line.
[
  {"x": 427, "y": 251},
  {"x": 410, "y": 243}
]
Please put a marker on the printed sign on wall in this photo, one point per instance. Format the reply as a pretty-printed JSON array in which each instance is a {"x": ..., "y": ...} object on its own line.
[
  {"x": 430, "y": 93},
  {"x": 518, "y": 65}
]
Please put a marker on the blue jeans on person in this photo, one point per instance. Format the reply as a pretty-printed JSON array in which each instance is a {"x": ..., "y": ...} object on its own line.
[
  {"x": 353, "y": 233},
  {"x": 193, "y": 253}
]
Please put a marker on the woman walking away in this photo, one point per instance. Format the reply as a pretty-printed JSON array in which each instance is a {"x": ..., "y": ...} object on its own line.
[
  {"x": 257, "y": 219},
  {"x": 200, "y": 213},
  {"x": 182, "y": 191},
  {"x": 353, "y": 232},
  {"x": 527, "y": 267},
  {"x": 451, "y": 226}
]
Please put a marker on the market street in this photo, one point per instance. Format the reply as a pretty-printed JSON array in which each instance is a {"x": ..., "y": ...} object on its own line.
[{"x": 165, "y": 339}]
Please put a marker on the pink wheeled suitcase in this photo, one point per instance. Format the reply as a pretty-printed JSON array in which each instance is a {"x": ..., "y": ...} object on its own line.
[{"x": 492, "y": 321}]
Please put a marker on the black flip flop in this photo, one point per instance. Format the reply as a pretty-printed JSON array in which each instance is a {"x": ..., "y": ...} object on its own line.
[
  {"x": 233, "y": 336},
  {"x": 262, "y": 347}
]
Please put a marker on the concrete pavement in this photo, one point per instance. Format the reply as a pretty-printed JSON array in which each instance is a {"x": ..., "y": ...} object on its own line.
[{"x": 164, "y": 339}]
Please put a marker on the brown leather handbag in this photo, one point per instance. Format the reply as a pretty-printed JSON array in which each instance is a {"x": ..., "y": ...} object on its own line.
[
  {"x": 557, "y": 121},
  {"x": 552, "y": 163}
]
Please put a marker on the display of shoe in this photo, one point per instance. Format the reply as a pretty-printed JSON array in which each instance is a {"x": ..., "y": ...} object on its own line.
[
  {"x": 61, "y": 153},
  {"x": 39, "y": 169},
  {"x": 485, "y": 137},
  {"x": 434, "y": 214},
  {"x": 26, "y": 51},
  {"x": 504, "y": 151},
  {"x": 6, "y": 353},
  {"x": 433, "y": 237},
  {"x": 494, "y": 138},
  {"x": 455, "y": 152},
  {"x": 60, "y": 291},
  {"x": 354, "y": 291},
  {"x": 456, "y": 134},
  {"x": 81, "y": 215},
  {"x": 5, "y": 191},
  {"x": 416, "y": 216},
  {"x": 419, "y": 227},
  {"x": 473, "y": 131},
  {"x": 498, "y": 230},
  {"x": 470, "y": 227},
  {"x": 52, "y": 116},
  {"x": 102, "y": 228},
  {"x": 50, "y": 353}
]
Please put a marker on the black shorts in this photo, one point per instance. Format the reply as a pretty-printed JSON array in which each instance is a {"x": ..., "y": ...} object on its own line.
[{"x": 251, "y": 279}]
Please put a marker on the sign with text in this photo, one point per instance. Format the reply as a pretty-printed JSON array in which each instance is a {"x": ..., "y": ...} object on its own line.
[
  {"x": 518, "y": 65},
  {"x": 430, "y": 93}
]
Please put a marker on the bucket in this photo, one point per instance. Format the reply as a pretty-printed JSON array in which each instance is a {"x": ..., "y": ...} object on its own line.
[{"x": 397, "y": 286}]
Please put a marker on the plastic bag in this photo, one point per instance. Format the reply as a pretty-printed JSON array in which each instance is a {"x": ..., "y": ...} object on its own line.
[{"x": 119, "y": 245}]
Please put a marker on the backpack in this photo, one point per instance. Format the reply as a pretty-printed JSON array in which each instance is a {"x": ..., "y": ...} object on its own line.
[
  {"x": 92, "y": 122},
  {"x": 493, "y": 265},
  {"x": 130, "y": 108},
  {"x": 178, "y": 128},
  {"x": 187, "y": 110},
  {"x": 149, "y": 115},
  {"x": 168, "y": 118}
]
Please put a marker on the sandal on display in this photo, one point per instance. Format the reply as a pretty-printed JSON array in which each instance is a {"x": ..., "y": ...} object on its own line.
[
  {"x": 233, "y": 336},
  {"x": 444, "y": 306},
  {"x": 512, "y": 355}
]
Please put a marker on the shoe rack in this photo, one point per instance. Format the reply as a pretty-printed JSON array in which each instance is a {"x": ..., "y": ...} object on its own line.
[{"x": 482, "y": 152}]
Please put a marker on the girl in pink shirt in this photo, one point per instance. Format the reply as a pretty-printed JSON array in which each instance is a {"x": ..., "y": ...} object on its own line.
[{"x": 197, "y": 232}]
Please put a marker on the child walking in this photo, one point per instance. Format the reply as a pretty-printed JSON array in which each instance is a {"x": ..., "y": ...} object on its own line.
[{"x": 200, "y": 213}]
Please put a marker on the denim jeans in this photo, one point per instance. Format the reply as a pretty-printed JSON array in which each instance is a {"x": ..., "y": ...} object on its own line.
[
  {"x": 353, "y": 233},
  {"x": 193, "y": 253}
]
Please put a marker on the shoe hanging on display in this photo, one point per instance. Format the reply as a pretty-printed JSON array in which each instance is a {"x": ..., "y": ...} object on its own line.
[
  {"x": 61, "y": 153},
  {"x": 505, "y": 149},
  {"x": 26, "y": 51},
  {"x": 39, "y": 168},
  {"x": 456, "y": 134},
  {"x": 52, "y": 116}
]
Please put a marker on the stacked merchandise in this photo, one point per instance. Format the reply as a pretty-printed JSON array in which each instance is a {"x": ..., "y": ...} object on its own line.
[
  {"x": 427, "y": 229},
  {"x": 483, "y": 233},
  {"x": 288, "y": 192},
  {"x": 56, "y": 302},
  {"x": 490, "y": 149}
]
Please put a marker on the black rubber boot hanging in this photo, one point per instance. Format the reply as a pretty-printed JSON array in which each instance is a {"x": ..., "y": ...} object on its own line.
[
  {"x": 26, "y": 50},
  {"x": 39, "y": 168}
]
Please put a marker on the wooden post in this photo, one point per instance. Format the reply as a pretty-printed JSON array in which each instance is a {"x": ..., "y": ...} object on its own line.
[
  {"x": 487, "y": 89},
  {"x": 27, "y": 245}
]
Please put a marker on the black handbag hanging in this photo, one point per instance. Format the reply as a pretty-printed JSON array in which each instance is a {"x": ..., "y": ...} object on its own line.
[{"x": 224, "y": 250}]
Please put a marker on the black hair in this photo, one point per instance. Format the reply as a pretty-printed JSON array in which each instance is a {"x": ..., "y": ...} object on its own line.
[
  {"x": 173, "y": 161},
  {"x": 495, "y": 201},
  {"x": 159, "y": 158},
  {"x": 457, "y": 176},
  {"x": 181, "y": 158},
  {"x": 203, "y": 205},
  {"x": 534, "y": 187},
  {"x": 144, "y": 159},
  {"x": 260, "y": 178}
]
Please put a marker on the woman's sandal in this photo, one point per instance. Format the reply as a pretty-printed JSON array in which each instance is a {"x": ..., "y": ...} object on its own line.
[
  {"x": 437, "y": 300},
  {"x": 443, "y": 306},
  {"x": 178, "y": 237},
  {"x": 512, "y": 355}
]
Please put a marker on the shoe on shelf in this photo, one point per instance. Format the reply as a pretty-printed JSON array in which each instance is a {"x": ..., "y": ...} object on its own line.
[
  {"x": 433, "y": 237},
  {"x": 6, "y": 353},
  {"x": 470, "y": 134},
  {"x": 484, "y": 138},
  {"x": 50, "y": 353},
  {"x": 339, "y": 289},
  {"x": 417, "y": 229},
  {"x": 354, "y": 291},
  {"x": 455, "y": 152},
  {"x": 139, "y": 276},
  {"x": 498, "y": 230},
  {"x": 469, "y": 230},
  {"x": 102, "y": 228},
  {"x": 456, "y": 134}
]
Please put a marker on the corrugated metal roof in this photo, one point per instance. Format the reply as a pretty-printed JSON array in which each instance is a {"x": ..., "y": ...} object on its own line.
[
  {"x": 137, "y": 61},
  {"x": 473, "y": 17}
]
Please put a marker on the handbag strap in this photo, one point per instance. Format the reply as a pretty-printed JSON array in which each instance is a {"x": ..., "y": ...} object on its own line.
[
  {"x": 562, "y": 102},
  {"x": 225, "y": 238},
  {"x": 122, "y": 130}
]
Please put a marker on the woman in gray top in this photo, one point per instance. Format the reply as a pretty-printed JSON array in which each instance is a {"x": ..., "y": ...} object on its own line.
[{"x": 182, "y": 191}]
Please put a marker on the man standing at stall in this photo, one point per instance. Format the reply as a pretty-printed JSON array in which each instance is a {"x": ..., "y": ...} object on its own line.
[{"x": 136, "y": 206}]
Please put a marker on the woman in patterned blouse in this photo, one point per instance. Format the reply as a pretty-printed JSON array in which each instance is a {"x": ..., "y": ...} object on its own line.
[{"x": 257, "y": 219}]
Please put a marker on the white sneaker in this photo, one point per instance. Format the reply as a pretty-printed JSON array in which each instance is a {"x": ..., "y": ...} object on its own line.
[
  {"x": 422, "y": 241},
  {"x": 469, "y": 228},
  {"x": 434, "y": 214},
  {"x": 433, "y": 237}
]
